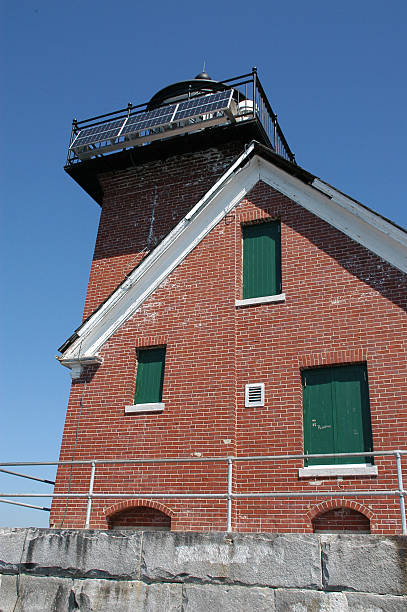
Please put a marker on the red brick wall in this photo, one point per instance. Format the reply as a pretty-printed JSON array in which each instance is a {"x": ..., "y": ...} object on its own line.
[{"x": 343, "y": 305}]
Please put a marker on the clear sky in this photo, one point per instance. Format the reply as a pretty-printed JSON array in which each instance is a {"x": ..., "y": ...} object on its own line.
[{"x": 334, "y": 72}]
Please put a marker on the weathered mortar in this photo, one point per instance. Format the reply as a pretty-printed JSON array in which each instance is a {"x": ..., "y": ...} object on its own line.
[{"x": 67, "y": 570}]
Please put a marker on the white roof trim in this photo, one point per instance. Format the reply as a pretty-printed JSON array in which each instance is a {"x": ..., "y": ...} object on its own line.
[
  {"x": 362, "y": 225},
  {"x": 141, "y": 283}
]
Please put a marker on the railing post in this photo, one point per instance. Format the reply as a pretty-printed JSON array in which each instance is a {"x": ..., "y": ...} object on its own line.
[
  {"x": 90, "y": 494},
  {"x": 275, "y": 133},
  {"x": 230, "y": 476},
  {"x": 74, "y": 127},
  {"x": 254, "y": 72},
  {"x": 401, "y": 493}
]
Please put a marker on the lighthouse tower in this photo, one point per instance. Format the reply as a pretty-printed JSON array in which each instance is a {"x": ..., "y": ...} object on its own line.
[{"x": 232, "y": 315}]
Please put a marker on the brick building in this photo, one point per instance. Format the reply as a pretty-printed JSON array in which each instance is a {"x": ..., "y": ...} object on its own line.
[{"x": 237, "y": 306}]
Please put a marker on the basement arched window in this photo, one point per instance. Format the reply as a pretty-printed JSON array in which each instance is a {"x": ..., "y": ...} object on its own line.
[
  {"x": 140, "y": 518},
  {"x": 344, "y": 520}
]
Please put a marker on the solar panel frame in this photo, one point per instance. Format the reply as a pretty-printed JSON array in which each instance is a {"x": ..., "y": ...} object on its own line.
[
  {"x": 98, "y": 133},
  {"x": 149, "y": 119},
  {"x": 156, "y": 118},
  {"x": 203, "y": 105}
]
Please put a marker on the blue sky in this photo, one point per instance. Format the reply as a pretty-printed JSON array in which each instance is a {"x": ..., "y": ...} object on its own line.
[{"x": 334, "y": 73}]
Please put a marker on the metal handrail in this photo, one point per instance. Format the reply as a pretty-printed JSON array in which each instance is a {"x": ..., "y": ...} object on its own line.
[
  {"x": 400, "y": 492},
  {"x": 207, "y": 459},
  {"x": 241, "y": 84}
]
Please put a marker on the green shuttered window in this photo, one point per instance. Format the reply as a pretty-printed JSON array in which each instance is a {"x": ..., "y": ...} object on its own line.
[
  {"x": 150, "y": 375},
  {"x": 261, "y": 259},
  {"x": 336, "y": 413}
]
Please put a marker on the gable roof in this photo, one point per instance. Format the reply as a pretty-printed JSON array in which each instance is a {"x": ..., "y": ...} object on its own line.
[{"x": 258, "y": 162}]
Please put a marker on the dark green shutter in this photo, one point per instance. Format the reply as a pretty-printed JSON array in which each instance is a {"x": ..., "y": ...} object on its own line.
[
  {"x": 150, "y": 376},
  {"x": 261, "y": 259},
  {"x": 336, "y": 413}
]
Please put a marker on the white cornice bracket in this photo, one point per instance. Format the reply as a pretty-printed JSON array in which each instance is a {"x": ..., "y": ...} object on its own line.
[{"x": 76, "y": 365}]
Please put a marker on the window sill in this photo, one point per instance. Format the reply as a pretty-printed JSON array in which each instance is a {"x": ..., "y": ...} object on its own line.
[
  {"x": 267, "y": 299},
  {"x": 338, "y": 470},
  {"x": 153, "y": 407}
]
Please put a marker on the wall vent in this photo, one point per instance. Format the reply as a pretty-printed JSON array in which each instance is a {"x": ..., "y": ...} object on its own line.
[{"x": 254, "y": 395}]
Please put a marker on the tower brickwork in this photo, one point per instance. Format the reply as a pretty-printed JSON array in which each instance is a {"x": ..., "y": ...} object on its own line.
[{"x": 142, "y": 204}]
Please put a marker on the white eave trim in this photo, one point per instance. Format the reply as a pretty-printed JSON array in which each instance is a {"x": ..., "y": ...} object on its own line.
[
  {"x": 188, "y": 233},
  {"x": 362, "y": 225}
]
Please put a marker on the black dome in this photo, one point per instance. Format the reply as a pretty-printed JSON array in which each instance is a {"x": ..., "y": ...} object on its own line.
[{"x": 202, "y": 83}]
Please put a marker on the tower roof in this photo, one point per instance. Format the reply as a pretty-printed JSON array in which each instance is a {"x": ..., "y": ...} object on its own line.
[{"x": 201, "y": 84}]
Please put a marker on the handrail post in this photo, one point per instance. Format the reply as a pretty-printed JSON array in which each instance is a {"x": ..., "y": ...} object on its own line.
[
  {"x": 74, "y": 127},
  {"x": 401, "y": 493},
  {"x": 275, "y": 132},
  {"x": 254, "y": 73},
  {"x": 230, "y": 476},
  {"x": 90, "y": 494}
]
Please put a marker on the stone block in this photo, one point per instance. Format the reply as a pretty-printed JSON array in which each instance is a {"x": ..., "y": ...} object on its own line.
[
  {"x": 269, "y": 560},
  {"x": 11, "y": 548},
  {"x": 224, "y": 598},
  {"x": 372, "y": 564},
  {"x": 77, "y": 553},
  {"x": 367, "y": 602},
  {"x": 27, "y": 593},
  {"x": 296, "y": 600},
  {"x": 8, "y": 592},
  {"x": 93, "y": 595},
  {"x": 38, "y": 594}
]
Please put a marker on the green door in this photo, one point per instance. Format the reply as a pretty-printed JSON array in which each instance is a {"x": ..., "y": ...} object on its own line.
[
  {"x": 261, "y": 259},
  {"x": 319, "y": 437},
  {"x": 336, "y": 413},
  {"x": 352, "y": 426}
]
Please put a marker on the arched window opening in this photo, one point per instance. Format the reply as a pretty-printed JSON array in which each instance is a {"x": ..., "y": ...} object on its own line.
[
  {"x": 344, "y": 520},
  {"x": 140, "y": 518}
]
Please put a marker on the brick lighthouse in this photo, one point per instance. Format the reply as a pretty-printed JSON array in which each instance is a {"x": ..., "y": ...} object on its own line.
[{"x": 238, "y": 308}]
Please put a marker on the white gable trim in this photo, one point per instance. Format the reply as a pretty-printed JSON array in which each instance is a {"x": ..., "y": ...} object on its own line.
[
  {"x": 364, "y": 226},
  {"x": 143, "y": 281}
]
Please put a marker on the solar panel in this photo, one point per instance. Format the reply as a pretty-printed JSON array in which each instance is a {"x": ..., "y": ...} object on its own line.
[
  {"x": 149, "y": 119},
  {"x": 203, "y": 105},
  {"x": 98, "y": 133}
]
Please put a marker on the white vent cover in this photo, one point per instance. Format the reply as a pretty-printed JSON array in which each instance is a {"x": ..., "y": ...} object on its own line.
[{"x": 254, "y": 395}]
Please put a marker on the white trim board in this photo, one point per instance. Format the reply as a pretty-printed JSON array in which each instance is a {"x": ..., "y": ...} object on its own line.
[
  {"x": 191, "y": 230},
  {"x": 150, "y": 407},
  {"x": 362, "y": 225},
  {"x": 359, "y": 469},
  {"x": 267, "y": 299}
]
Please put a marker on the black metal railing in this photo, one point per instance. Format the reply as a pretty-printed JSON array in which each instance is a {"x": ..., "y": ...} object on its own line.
[{"x": 250, "y": 103}]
